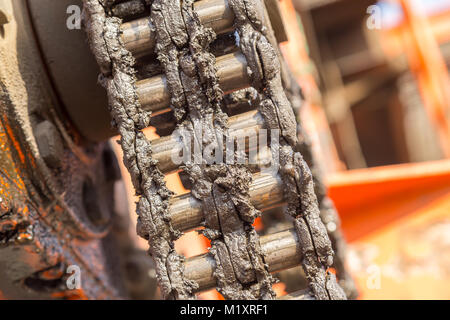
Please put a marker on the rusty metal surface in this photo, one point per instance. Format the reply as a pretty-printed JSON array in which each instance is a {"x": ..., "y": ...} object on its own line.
[{"x": 53, "y": 214}]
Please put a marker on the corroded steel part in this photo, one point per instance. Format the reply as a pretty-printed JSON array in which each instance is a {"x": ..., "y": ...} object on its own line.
[
  {"x": 242, "y": 125},
  {"x": 265, "y": 193},
  {"x": 281, "y": 251},
  {"x": 56, "y": 197},
  {"x": 154, "y": 93},
  {"x": 139, "y": 36}
]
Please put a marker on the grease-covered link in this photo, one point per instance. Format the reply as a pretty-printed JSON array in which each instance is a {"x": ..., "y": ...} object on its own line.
[
  {"x": 166, "y": 149},
  {"x": 128, "y": 8},
  {"x": 154, "y": 94},
  {"x": 186, "y": 212},
  {"x": 262, "y": 60},
  {"x": 239, "y": 263},
  {"x": 184, "y": 50},
  {"x": 281, "y": 251},
  {"x": 118, "y": 77},
  {"x": 139, "y": 36}
]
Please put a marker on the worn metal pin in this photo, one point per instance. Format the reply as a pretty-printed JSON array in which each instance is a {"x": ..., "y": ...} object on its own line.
[
  {"x": 139, "y": 36},
  {"x": 154, "y": 93},
  {"x": 186, "y": 212},
  {"x": 281, "y": 251},
  {"x": 240, "y": 126}
]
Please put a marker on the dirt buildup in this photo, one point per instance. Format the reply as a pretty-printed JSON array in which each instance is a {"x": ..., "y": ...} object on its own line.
[
  {"x": 183, "y": 48},
  {"x": 128, "y": 8},
  {"x": 298, "y": 182},
  {"x": 118, "y": 77}
]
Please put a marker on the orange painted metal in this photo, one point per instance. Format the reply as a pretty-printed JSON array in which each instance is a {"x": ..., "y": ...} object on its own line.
[
  {"x": 397, "y": 219},
  {"x": 427, "y": 63},
  {"x": 368, "y": 199},
  {"x": 418, "y": 37},
  {"x": 15, "y": 198},
  {"x": 394, "y": 38}
]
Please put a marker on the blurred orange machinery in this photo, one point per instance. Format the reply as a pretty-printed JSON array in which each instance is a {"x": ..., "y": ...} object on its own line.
[
  {"x": 418, "y": 37},
  {"x": 397, "y": 218}
]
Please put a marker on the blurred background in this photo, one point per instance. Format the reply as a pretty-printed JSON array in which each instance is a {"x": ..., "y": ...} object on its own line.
[
  {"x": 375, "y": 79},
  {"x": 382, "y": 72}
]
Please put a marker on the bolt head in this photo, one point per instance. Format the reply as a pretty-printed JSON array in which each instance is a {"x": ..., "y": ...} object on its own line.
[{"x": 50, "y": 144}]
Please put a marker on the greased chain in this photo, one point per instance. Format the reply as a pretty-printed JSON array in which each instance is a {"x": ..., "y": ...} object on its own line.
[
  {"x": 183, "y": 50},
  {"x": 216, "y": 185},
  {"x": 329, "y": 216},
  {"x": 118, "y": 77},
  {"x": 137, "y": 156},
  {"x": 328, "y": 213},
  {"x": 298, "y": 181}
]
